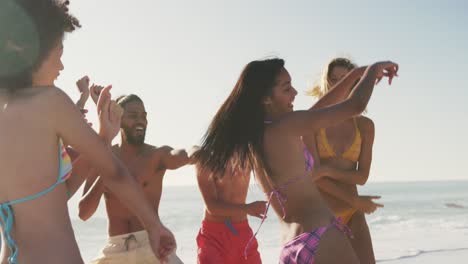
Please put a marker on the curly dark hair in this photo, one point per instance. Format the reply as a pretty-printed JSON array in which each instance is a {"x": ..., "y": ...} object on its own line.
[{"x": 29, "y": 30}]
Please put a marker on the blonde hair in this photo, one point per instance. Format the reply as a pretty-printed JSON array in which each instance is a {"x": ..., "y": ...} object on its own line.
[{"x": 323, "y": 85}]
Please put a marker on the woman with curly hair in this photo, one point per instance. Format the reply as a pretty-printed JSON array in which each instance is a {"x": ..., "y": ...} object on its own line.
[{"x": 35, "y": 119}]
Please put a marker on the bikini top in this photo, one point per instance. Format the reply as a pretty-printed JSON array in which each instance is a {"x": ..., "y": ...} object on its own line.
[
  {"x": 6, "y": 210},
  {"x": 326, "y": 150}
]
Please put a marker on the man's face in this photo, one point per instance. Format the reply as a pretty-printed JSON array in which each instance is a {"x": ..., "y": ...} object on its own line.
[{"x": 134, "y": 123}]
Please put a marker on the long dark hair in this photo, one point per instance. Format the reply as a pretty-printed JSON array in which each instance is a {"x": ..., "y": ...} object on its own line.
[{"x": 236, "y": 131}]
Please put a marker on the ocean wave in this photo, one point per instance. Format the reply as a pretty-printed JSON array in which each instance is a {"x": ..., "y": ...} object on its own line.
[
  {"x": 387, "y": 219},
  {"x": 455, "y": 205},
  {"x": 418, "y": 253}
]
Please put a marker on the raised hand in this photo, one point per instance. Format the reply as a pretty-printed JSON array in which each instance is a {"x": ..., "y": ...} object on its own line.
[
  {"x": 110, "y": 115},
  {"x": 365, "y": 203},
  {"x": 83, "y": 88},
  {"x": 115, "y": 116},
  {"x": 95, "y": 91},
  {"x": 386, "y": 69}
]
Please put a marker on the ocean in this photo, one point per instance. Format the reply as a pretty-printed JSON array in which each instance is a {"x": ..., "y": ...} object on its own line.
[{"x": 420, "y": 221}]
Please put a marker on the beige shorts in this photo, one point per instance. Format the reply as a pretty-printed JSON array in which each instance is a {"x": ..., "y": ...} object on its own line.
[{"x": 132, "y": 248}]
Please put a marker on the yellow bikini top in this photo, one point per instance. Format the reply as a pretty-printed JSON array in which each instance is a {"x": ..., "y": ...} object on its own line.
[{"x": 326, "y": 151}]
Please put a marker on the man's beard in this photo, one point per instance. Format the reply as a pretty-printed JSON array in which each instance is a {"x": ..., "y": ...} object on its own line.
[{"x": 131, "y": 139}]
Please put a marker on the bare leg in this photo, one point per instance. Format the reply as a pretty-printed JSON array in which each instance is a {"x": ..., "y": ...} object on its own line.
[
  {"x": 334, "y": 248},
  {"x": 362, "y": 242}
]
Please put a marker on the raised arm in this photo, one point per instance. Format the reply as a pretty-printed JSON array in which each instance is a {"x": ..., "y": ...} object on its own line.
[
  {"x": 73, "y": 129},
  {"x": 301, "y": 123},
  {"x": 220, "y": 208},
  {"x": 341, "y": 90},
  {"x": 83, "y": 87},
  {"x": 82, "y": 168}
]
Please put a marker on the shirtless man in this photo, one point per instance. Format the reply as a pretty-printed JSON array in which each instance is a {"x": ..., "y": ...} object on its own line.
[
  {"x": 127, "y": 241},
  {"x": 225, "y": 232}
]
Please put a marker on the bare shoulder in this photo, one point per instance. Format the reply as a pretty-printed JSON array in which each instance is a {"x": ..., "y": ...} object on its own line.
[
  {"x": 53, "y": 94},
  {"x": 156, "y": 153},
  {"x": 46, "y": 101},
  {"x": 163, "y": 149},
  {"x": 42, "y": 95},
  {"x": 366, "y": 126},
  {"x": 365, "y": 123},
  {"x": 51, "y": 99}
]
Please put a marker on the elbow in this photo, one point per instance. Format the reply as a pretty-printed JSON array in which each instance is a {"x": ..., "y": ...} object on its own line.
[{"x": 363, "y": 180}]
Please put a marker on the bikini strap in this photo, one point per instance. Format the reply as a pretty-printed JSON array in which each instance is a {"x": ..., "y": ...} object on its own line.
[
  {"x": 6, "y": 222},
  {"x": 338, "y": 223},
  {"x": 309, "y": 159},
  {"x": 7, "y": 217},
  {"x": 281, "y": 199}
]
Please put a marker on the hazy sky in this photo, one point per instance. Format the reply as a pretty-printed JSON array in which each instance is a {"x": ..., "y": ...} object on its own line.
[{"x": 183, "y": 58}]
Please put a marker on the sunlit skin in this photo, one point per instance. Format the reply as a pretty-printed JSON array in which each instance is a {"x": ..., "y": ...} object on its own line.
[
  {"x": 148, "y": 165},
  {"x": 225, "y": 201},
  {"x": 340, "y": 137},
  {"x": 305, "y": 209},
  {"x": 225, "y": 197},
  {"x": 283, "y": 148},
  {"x": 50, "y": 68},
  {"x": 36, "y": 118}
]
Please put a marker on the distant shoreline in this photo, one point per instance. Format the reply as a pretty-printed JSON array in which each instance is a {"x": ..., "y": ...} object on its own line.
[{"x": 368, "y": 183}]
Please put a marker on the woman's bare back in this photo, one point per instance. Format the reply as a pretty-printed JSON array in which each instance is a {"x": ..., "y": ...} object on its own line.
[{"x": 29, "y": 156}]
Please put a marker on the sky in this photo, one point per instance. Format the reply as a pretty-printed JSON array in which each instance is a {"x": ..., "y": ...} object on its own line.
[{"x": 184, "y": 57}]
